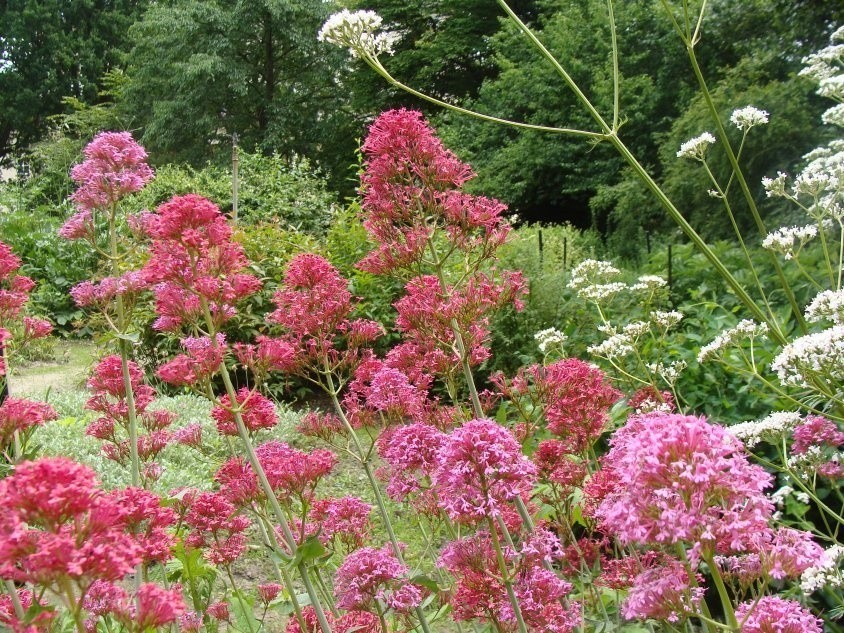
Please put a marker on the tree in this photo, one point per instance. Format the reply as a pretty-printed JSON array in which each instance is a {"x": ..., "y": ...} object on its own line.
[
  {"x": 51, "y": 49},
  {"x": 202, "y": 70}
]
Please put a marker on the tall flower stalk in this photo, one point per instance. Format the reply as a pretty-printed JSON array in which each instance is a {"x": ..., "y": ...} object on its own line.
[{"x": 114, "y": 167}]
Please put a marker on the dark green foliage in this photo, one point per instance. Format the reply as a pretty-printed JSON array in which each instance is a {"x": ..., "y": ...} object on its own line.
[
  {"x": 51, "y": 49},
  {"x": 549, "y": 303},
  {"x": 202, "y": 70}
]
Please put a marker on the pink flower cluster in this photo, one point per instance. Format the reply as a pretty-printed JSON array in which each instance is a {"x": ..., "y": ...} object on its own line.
[
  {"x": 352, "y": 622},
  {"x": 818, "y": 440},
  {"x": 58, "y": 526},
  {"x": 573, "y": 396},
  {"x": 411, "y": 453},
  {"x": 313, "y": 308},
  {"x": 292, "y": 474},
  {"x": 429, "y": 313},
  {"x": 14, "y": 293},
  {"x": 344, "y": 520},
  {"x": 114, "y": 166},
  {"x": 480, "y": 470},
  {"x": 480, "y": 593},
  {"x": 101, "y": 294},
  {"x": 21, "y": 416},
  {"x": 203, "y": 359},
  {"x": 150, "y": 608},
  {"x": 773, "y": 614},
  {"x": 681, "y": 479},
  {"x": 217, "y": 527},
  {"x": 407, "y": 168},
  {"x": 109, "y": 399},
  {"x": 257, "y": 412},
  {"x": 662, "y": 593},
  {"x": 371, "y": 576},
  {"x": 194, "y": 262},
  {"x": 39, "y": 623}
]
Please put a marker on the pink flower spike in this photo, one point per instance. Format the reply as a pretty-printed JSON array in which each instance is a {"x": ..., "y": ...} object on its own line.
[{"x": 773, "y": 614}]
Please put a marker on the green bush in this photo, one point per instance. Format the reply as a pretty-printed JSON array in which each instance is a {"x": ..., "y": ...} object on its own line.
[
  {"x": 549, "y": 303},
  {"x": 55, "y": 263}
]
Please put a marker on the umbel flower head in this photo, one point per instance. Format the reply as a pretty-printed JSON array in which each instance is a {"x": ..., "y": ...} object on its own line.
[{"x": 360, "y": 32}]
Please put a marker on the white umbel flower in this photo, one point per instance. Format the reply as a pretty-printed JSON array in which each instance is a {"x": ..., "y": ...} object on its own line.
[
  {"x": 770, "y": 429},
  {"x": 697, "y": 147},
  {"x": 648, "y": 283},
  {"x": 666, "y": 320},
  {"x": 549, "y": 339},
  {"x": 818, "y": 355},
  {"x": 828, "y": 573},
  {"x": 745, "y": 329},
  {"x": 748, "y": 116},
  {"x": 827, "y": 305},
  {"x": 788, "y": 240},
  {"x": 360, "y": 32},
  {"x": 834, "y": 116}
]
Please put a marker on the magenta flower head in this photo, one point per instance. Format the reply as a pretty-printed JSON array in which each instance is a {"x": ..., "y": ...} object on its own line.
[
  {"x": 18, "y": 414},
  {"x": 575, "y": 398},
  {"x": 412, "y": 185},
  {"x": 114, "y": 166},
  {"x": 370, "y": 576},
  {"x": 481, "y": 468},
  {"x": 57, "y": 526},
  {"x": 662, "y": 593},
  {"x": 773, "y": 614},
  {"x": 680, "y": 478}
]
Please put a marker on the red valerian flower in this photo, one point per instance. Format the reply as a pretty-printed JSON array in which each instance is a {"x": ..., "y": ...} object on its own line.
[
  {"x": 21, "y": 415},
  {"x": 257, "y": 412},
  {"x": 680, "y": 478},
  {"x": 480, "y": 470},
  {"x": 114, "y": 166},
  {"x": 370, "y": 575},
  {"x": 58, "y": 526}
]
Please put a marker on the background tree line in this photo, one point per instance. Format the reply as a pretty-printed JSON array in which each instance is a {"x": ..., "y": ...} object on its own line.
[{"x": 185, "y": 75}]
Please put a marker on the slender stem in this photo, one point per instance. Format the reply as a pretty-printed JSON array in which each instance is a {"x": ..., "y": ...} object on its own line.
[
  {"x": 252, "y": 458},
  {"x": 13, "y": 595},
  {"x": 269, "y": 538},
  {"x": 748, "y": 196},
  {"x": 373, "y": 482},
  {"x": 376, "y": 65},
  {"x": 726, "y": 603},
  {"x": 505, "y": 574},
  {"x": 616, "y": 75},
  {"x": 236, "y": 591}
]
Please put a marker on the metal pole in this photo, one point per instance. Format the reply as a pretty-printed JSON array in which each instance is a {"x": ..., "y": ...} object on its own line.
[{"x": 235, "y": 183}]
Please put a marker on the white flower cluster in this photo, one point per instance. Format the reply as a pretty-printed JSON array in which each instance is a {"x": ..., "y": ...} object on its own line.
[
  {"x": 820, "y": 354},
  {"x": 591, "y": 271},
  {"x": 550, "y": 338},
  {"x": 666, "y": 320},
  {"x": 808, "y": 462},
  {"x": 648, "y": 283},
  {"x": 359, "y": 31},
  {"x": 748, "y": 116},
  {"x": 770, "y": 429},
  {"x": 745, "y": 329},
  {"x": 827, "y": 305},
  {"x": 668, "y": 372},
  {"x": 834, "y": 116},
  {"x": 601, "y": 292},
  {"x": 617, "y": 344},
  {"x": 832, "y": 87},
  {"x": 780, "y": 496},
  {"x": 775, "y": 187},
  {"x": 788, "y": 240},
  {"x": 828, "y": 573},
  {"x": 696, "y": 148}
]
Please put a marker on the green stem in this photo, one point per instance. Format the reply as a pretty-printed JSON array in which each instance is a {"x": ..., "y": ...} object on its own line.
[
  {"x": 373, "y": 483},
  {"x": 748, "y": 196},
  {"x": 13, "y": 595},
  {"x": 252, "y": 458},
  {"x": 246, "y": 611},
  {"x": 505, "y": 574},
  {"x": 726, "y": 603}
]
